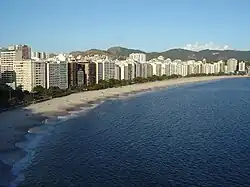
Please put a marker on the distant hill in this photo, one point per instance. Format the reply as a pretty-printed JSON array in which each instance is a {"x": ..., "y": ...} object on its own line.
[
  {"x": 121, "y": 51},
  {"x": 182, "y": 54},
  {"x": 91, "y": 52}
]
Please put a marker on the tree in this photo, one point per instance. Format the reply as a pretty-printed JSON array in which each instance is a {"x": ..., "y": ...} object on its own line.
[
  {"x": 5, "y": 92},
  {"x": 28, "y": 97},
  {"x": 114, "y": 83},
  {"x": 41, "y": 91},
  {"x": 18, "y": 93},
  {"x": 56, "y": 92}
]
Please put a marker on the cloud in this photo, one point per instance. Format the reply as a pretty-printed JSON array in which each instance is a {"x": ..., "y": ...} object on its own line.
[{"x": 198, "y": 47}]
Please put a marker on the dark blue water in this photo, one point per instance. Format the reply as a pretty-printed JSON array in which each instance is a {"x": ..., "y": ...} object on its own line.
[{"x": 193, "y": 135}]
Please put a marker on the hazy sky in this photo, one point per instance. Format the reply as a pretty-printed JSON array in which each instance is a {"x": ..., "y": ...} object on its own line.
[{"x": 150, "y": 25}]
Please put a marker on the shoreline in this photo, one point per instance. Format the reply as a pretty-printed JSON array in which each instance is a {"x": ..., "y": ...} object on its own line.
[
  {"x": 21, "y": 122},
  {"x": 63, "y": 104}
]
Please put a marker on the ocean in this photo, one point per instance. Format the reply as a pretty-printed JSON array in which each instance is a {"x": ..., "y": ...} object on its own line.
[{"x": 189, "y": 135}]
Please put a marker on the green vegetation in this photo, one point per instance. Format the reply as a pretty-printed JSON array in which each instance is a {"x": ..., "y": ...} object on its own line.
[{"x": 10, "y": 98}]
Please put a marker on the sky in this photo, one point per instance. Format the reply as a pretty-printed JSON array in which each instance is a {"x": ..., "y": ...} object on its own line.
[{"x": 149, "y": 25}]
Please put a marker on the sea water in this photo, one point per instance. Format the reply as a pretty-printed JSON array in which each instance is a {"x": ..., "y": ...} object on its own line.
[{"x": 189, "y": 135}]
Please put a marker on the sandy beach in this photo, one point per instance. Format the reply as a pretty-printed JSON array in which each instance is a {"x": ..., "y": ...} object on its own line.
[{"x": 84, "y": 98}]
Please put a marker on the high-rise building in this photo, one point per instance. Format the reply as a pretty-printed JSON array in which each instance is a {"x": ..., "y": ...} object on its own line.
[
  {"x": 191, "y": 69},
  {"x": 242, "y": 66},
  {"x": 226, "y": 69},
  {"x": 122, "y": 68},
  {"x": 99, "y": 71},
  {"x": 72, "y": 74},
  {"x": 232, "y": 65},
  {"x": 8, "y": 58},
  {"x": 80, "y": 77},
  {"x": 25, "y": 50},
  {"x": 167, "y": 69},
  {"x": 138, "y": 69},
  {"x": 173, "y": 68},
  {"x": 146, "y": 70},
  {"x": 138, "y": 57},
  {"x": 89, "y": 69},
  {"x": 108, "y": 70},
  {"x": 105, "y": 70},
  {"x": 75, "y": 74},
  {"x": 36, "y": 55},
  {"x": 149, "y": 70},
  {"x": 57, "y": 74},
  {"x": 30, "y": 74},
  {"x": 184, "y": 70},
  {"x": 156, "y": 68},
  {"x": 39, "y": 55},
  {"x": 43, "y": 55},
  {"x": 117, "y": 72}
]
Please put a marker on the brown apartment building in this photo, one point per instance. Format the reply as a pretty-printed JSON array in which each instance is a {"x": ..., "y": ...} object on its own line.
[
  {"x": 81, "y": 73},
  {"x": 89, "y": 73},
  {"x": 76, "y": 74}
]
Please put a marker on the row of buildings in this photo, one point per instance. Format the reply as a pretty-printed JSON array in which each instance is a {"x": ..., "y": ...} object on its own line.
[{"x": 19, "y": 67}]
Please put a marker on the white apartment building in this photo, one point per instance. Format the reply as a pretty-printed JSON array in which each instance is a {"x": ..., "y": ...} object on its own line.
[
  {"x": 184, "y": 70},
  {"x": 191, "y": 68},
  {"x": 226, "y": 69},
  {"x": 35, "y": 55},
  {"x": 167, "y": 69},
  {"x": 122, "y": 68},
  {"x": 146, "y": 70},
  {"x": 39, "y": 55},
  {"x": 8, "y": 58},
  {"x": 216, "y": 67},
  {"x": 232, "y": 65},
  {"x": 138, "y": 57},
  {"x": 99, "y": 71},
  {"x": 30, "y": 74},
  {"x": 127, "y": 70},
  {"x": 108, "y": 70},
  {"x": 117, "y": 72},
  {"x": 138, "y": 67},
  {"x": 163, "y": 68},
  {"x": 156, "y": 68},
  {"x": 44, "y": 55},
  {"x": 105, "y": 70},
  {"x": 242, "y": 66},
  {"x": 161, "y": 58},
  {"x": 57, "y": 74},
  {"x": 212, "y": 68},
  {"x": 181, "y": 69},
  {"x": 173, "y": 68},
  {"x": 222, "y": 65}
]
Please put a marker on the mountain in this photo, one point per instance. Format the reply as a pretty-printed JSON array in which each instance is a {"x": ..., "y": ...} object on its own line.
[
  {"x": 182, "y": 54},
  {"x": 91, "y": 52},
  {"x": 121, "y": 51}
]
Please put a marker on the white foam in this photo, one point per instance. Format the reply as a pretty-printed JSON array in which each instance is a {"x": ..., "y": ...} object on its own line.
[
  {"x": 34, "y": 137},
  {"x": 29, "y": 147}
]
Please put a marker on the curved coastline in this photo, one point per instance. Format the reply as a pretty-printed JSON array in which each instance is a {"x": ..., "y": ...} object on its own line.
[
  {"x": 90, "y": 97},
  {"x": 29, "y": 119}
]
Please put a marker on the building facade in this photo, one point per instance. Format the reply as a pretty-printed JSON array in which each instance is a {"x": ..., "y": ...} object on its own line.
[
  {"x": 89, "y": 69},
  {"x": 57, "y": 74},
  {"x": 138, "y": 57},
  {"x": 30, "y": 74}
]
